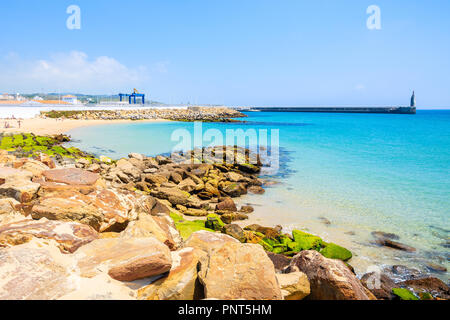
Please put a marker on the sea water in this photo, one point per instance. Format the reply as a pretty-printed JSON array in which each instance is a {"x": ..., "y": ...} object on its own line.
[{"x": 342, "y": 176}]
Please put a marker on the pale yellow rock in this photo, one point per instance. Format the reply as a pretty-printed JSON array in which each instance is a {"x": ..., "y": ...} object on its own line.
[{"x": 294, "y": 285}]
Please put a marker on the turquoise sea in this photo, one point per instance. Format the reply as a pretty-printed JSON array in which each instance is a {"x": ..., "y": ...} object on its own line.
[{"x": 361, "y": 172}]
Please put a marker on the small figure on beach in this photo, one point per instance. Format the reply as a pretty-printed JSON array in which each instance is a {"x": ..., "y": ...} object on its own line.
[{"x": 19, "y": 122}]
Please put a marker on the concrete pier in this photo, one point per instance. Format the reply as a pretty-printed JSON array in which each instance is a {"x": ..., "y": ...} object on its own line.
[{"x": 393, "y": 110}]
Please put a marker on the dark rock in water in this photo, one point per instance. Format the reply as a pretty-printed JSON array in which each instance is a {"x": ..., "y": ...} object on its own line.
[
  {"x": 350, "y": 233},
  {"x": 325, "y": 220},
  {"x": 395, "y": 245},
  {"x": 429, "y": 284},
  {"x": 280, "y": 262},
  {"x": 256, "y": 190},
  {"x": 436, "y": 267},
  {"x": 403, "y": 272},
  {"x": 446, "y": 244},
  {"x": 381, "y": 234},
  {"x": 235, "y": 231},
  {"x": 379, "y": 284},
  {"x": 247, "y": 209}
]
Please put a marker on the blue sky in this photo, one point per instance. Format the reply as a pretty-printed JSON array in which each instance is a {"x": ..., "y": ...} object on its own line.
[{"x": 252, "y": 52}]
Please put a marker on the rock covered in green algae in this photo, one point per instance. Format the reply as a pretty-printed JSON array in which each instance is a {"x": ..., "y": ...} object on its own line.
[
  {"x": 305, "y": 241},
  {"x": 214, "y": 222},
  {"x": 30, "y": 145},
  {"x": 186, "y": 228},
  {"x": 333, "y": 251},
  {"x": 404, "y": 294}
]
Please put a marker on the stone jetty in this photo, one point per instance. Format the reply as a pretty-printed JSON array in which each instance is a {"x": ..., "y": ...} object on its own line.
[{"x": 216, "y": 114}]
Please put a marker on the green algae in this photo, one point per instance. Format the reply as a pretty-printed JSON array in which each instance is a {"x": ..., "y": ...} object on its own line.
[
  {"x": 404, "y": 294},
  {"x": 333, "y": 251},
  {"x": 187, "y": 227},
  {"x": 30, "y": 145}
]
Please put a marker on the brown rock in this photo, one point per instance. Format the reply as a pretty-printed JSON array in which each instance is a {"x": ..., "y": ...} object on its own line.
[
  {"x": 279, "y": 261},
  {"x": 239, "y": 271},
  {"x": 379, "y": 284},
  {"x": 124, "y": 259},
  {"x": 69, "y": 235},
  {"x": 229, "y": 217},
  {"x": 247, "y": 209},
  {"x": 330, "y": 279},
  {"x": 428, "y": 284},
  {"x": 35, "y": 167},
  {"x": 234, "y": 231},
  {"x": 23, "y": 190},
  {"x": 227, "y": 205},
  {"x": 104, "y": 210},
  {"x": 187, "y": 185},
  {"x": 256, "y": 190},
  {"x": 234, "y": 189},
  {"x": 71, "y": 176},
  {"x": 155, "y": 179},
  {"x": 395, "y": 245},
  {"x": 181, "y": 282}
]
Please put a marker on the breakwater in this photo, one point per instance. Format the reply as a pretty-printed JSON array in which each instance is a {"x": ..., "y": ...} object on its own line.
[{"x": 394, "y": 110}]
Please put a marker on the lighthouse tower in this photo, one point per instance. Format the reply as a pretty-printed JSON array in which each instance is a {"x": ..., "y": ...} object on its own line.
[{"x": 413, "y": 100}]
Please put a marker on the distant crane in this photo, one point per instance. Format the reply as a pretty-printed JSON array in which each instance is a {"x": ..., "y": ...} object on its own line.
[{"x": 133, "y": 96}]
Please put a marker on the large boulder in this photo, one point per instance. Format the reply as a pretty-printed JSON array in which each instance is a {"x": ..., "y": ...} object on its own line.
[
  {"x": 30, "y": 273},
  {"x": 124, "y": 259},
  {"x": 71, "y": 176},
  {"x": 239, "y": 271},
  {"x": 160, "y": 226},
  {"x": 181, "y": 282},
  {"x": 206, "y": 240},
  {"x": 104, "y": 210},
  {"x": 330, "y": 279},
  {"x": 294, "y": 285},
  {"x": 69, "y": 235}
]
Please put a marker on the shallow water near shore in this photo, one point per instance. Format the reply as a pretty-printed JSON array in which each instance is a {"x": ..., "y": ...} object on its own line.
[{"x": 340, "y": 173}]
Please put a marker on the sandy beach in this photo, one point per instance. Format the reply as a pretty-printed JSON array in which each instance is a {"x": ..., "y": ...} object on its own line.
[{"x": 48, "y": 126}]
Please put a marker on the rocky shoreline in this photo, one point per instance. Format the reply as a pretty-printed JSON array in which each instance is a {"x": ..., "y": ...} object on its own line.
[
  {"x": 204, "y": 114},
  {"x": 73, "y": 226}
]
